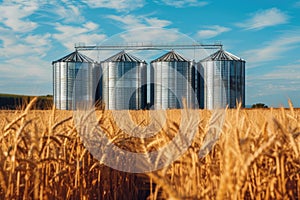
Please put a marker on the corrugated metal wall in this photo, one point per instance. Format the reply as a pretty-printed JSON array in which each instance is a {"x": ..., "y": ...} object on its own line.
[
  {"x": 224, "y": 83},
  {"x": 124, "y": 85},
  {"x": 173, "y": 81},
  {"x": 71, "y": 75}
]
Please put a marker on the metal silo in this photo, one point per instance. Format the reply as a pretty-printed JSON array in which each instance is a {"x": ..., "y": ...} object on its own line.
[
  {"x": 74, "y": 72},
  {"x": 124, "y": 82},
  {"x": 174, "y": 79},
  {"x": 224, "y": 80}
]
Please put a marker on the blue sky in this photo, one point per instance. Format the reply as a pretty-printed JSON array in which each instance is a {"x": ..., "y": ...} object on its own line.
[{"x": 264, "y": 33}]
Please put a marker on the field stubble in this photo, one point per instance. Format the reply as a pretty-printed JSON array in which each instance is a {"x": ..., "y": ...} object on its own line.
[{"x": 255, "y": 156}]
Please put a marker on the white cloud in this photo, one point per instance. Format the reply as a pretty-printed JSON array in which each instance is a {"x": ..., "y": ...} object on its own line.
[
  {"x": 14, "y": 15},
  {"x": 183, "y": 3},
  {"x": 26, "y": 75},
  {"x": 23, "y": 45},
  {"x": 273, "y": 50},
  {"x": 132, "y": 21},
  {"x": 40, "y": 44},
  {"x": 274, "y": 88},
  {"x": 119, "y": 5},
  {"x": 297, "y": 4},
  {"x": 264, "y": 18},
  {"x": 155, "y": 22},
  {"x": 212, "y": 31},
  {"x": 127, "y": 21},
  {"x": 283, "y": 75},
  {"x": 274, "y": 92},
  {"x": 152, "y": 36},
  {"x": 70, "y": 35},
  {"x": 278, "y": 80},
  {"x": 285, "y": 72},
  {"x": 22, "y": 50},
  {"x": 68, "y": 12},
  {"x": 141, "y": 30},
  {"x": 25, "y": 66}
]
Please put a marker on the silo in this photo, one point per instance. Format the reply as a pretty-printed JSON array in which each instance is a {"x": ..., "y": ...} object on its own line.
[
  {"x": 124, "y": 82},
  {"x": 224, "y": 80},
  {"x": 174, "y": 80},
  {"x": 74, "y": 72}
]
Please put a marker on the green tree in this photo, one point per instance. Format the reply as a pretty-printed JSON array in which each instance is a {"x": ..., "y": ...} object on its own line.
[{"x": 259, "y": 105}]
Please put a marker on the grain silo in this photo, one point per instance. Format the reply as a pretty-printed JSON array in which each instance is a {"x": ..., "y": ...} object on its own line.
[
  {"x": 174, "y": 80},
  {"x": 74, "y": 81},
  {"x": 224, "y": 80},
  {"x": 124, "y": 82}
]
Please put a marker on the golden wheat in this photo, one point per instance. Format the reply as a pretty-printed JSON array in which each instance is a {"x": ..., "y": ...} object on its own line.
[{"x": 248, "y": 154}]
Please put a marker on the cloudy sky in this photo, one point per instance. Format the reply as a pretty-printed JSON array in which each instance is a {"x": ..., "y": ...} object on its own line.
[{"x": 264, "y": 33}]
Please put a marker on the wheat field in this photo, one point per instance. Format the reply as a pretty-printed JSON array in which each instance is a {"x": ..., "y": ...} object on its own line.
[{"x": 252, "y": 154}]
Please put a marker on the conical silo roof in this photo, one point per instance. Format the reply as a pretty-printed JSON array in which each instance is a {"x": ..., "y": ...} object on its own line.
[
  {"x": 222, "y": 55},
  {"x": 123, "y": 57},
  {"x": 171, "y": 56},
  {"x": 75, "y": 57}
]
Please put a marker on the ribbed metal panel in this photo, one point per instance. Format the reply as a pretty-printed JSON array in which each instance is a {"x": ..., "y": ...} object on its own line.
[
  {"x": 224, "y": 80},
  {"x": 174, "y": 79},
  {"x": 124, "y": 82},
  {"x": 74, "y": 72}
]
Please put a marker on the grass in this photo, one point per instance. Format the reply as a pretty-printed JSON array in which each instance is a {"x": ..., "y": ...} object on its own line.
[{"x": 255, "y": 157}]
